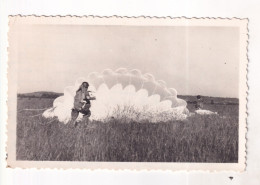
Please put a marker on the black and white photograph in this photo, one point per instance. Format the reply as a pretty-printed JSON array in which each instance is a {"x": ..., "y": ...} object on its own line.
[{"x": 132, "y": 91}]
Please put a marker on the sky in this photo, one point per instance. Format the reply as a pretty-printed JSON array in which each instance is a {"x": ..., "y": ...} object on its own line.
[{"x": 193, "y": 60}]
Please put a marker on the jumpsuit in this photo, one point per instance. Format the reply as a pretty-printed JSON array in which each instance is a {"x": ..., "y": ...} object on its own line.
[{"x": 81, "y": 104}]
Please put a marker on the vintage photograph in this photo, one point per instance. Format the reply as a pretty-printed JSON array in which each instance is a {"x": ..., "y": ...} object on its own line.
[{"x": 127, "y": 93}]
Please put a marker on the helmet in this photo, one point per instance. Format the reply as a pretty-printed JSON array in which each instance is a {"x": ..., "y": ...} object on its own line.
[{"x": 87, "y": 84}]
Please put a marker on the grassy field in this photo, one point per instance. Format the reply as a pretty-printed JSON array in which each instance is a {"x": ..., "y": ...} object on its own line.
[{"x": 200, "y": 138}]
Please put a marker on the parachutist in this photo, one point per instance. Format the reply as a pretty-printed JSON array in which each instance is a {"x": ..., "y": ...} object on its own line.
[{"x": 82, "y": 102}]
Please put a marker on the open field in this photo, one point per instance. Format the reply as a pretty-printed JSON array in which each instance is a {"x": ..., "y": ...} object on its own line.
[{"x": 200, "y": 138}]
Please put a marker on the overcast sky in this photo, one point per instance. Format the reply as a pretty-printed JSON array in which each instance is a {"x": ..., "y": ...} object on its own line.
[{"x": 193, "y": 60}]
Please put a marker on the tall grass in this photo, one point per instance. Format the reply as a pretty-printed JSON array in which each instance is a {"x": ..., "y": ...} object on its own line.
[{"x": 209, "y": 138}]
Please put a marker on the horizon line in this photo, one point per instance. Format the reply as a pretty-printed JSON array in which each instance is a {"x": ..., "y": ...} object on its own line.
[{"x": 177, "y": 94}]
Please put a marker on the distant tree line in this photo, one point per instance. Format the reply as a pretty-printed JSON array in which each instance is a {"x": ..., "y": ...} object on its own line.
[
  {"x": 48, "y": 96},
  {"x": 215, "y": 103}
]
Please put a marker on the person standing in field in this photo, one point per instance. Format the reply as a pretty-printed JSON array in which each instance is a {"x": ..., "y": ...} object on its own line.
[
  {"x": 81, "y": 102},
  {"x": 199, "y": 103}
]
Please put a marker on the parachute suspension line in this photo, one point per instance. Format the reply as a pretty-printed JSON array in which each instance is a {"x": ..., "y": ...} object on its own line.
[
  {"x": 149, "y": 108},
  {"x": 129, "y": 82},
  {"x": 52, "y": 121},
  {"x": 134, "y": 98},
  {"x": 36, "y": 115},
  {"x": 142, "y": 84},
  {"x": 34, "y": 109},
  {"x": 128, "y": 93},
  {"x": 129, "y": 79},
  {"x": 103, "y": 80},
  {"x": 154, "y": 90}
]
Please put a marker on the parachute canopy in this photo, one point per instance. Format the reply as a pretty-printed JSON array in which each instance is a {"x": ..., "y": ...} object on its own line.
[{"x": 126, "y": 93}]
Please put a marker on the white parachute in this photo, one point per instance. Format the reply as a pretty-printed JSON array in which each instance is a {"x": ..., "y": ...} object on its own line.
[
  {"x": 205, "y": 112},
  {"x": 123, "y": 94}
]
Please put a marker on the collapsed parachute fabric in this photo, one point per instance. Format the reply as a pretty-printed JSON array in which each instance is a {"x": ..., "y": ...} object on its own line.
[{"x": 123, "y": 94}]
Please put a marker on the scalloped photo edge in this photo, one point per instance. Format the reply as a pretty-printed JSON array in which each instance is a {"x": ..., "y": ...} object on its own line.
[{"x": 16, "y": 52}]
